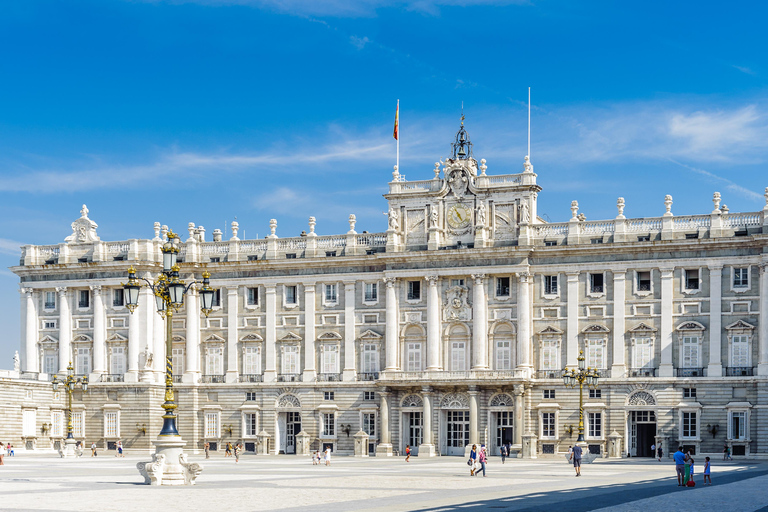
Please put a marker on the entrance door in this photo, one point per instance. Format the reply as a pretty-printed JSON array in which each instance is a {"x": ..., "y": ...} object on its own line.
[
  {"x": 457, "y": 434},
  {"x": 642, "y": 427},
  {"x": 504, "y": 433},
  {"x": 292, "y": 427},
  {"x": 414, "y": 435}
]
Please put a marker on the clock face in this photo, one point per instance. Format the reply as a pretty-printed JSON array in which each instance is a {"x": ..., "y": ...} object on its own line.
[{"x": 459, "y": 216}]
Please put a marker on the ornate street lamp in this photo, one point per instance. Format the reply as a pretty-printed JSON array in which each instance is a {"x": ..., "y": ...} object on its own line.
[
  {"x": 169, "y": 291},
  {"x": 70, "y": 382},
  {"x": 572, "y": 378}
]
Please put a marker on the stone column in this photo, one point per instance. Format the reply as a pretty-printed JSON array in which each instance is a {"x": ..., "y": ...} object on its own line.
[
  {"x": 192, "y": 375},
  {"x": 270, "y": 371},
  {"x": 232, "y": 310},
  {"x": 524, "y": 324},
  {"x": 349, "y": 332},
  {"x": 29, "y": 350},
  {"x": 392, "y": 327},
  {"x": 666, "y": 369},
  {"x": 519, "y": 424},
  {"x": 433, "y": 324},
  {"x": 480, "y": 325},
  {"x": 762, "y": 367},
  {"x": 99, "y": 332},
  {"x": 715, "y": 367},
  {"x": 572, "y": 325},
  {"x": 385, "y": 445},
  {"x": 65, "y": 330},
  {"x": 474, "y": 435},
  {"x": 158, "y": 335},
  {"x": 427, "y": 448},
  {"x": 310, "y": 373},
  {"x": 134, "y": 335},
  {"x": 619, "y": 367}
]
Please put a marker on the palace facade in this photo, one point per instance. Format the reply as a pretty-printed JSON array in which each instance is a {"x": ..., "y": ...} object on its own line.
[{"x": 452, "y": 327}]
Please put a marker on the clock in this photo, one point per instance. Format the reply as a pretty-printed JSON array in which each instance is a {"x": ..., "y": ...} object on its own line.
[{"x": 459, "y": 216}]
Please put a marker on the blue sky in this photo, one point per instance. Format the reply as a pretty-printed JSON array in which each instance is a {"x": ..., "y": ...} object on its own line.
[{"x": 202, "y": 111}]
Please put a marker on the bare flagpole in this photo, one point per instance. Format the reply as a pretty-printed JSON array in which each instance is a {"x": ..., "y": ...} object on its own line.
[
  {"x": 529, "y": 124},
  {"x": 398, "y": 135}
]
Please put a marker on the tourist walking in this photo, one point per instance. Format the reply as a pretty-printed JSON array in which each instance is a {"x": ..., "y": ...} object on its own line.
[
  {"x": 659, "y": 452},
  {"x": 472, "y": 460},
  {"x": 1, "y": 454},
  {"x": 328, "y": 456},
  {"x": 576, "y": 456},
  {"x": 119, "y": 449},
  {"x": 727, "y": 452},
  {"x": 707, "y": 470},
  {"x": 207, "y": 448},
  {"x": 9, "y": 450},
  {"x": 482, "y": 459},
  {"x": 653, "y": 449},
  {"x": 679, "y": 458},
  {"x": 93, "y": 449},
  {"x": 407, "y": 453},
  {"x": 237, "y": 452},
  {"x": 228, "y": 451},
  {"x": 503, "y": 450}
]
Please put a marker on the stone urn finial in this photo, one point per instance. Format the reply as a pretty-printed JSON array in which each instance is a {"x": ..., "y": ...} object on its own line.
[
  {"x": 272, "y": 228},
  {"x": 235, "y": 228},
  {"x": 574, "y": 209},
  {"x": 352, "y": 222},
  {"x": 157, "y": 230},
  {"x": 620, "y": 206},
  {"x": 668, "y": 205},
  {"x": 716, "y": 201},
  {"x": 483, "y": 167}
]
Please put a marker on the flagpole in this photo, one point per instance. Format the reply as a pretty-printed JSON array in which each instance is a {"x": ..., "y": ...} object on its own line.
[
  {"x": 398, "y": 135},
  {"x": 529, "y": 124}
]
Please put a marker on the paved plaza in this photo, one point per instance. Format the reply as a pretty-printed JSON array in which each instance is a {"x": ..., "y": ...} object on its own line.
[{"x": 442, "y": 484}]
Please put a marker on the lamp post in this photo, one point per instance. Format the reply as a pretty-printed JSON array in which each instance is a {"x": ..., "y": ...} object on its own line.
[
  {"x": 169, "y": 466},
  {"x": 572, "y": 379},
  {"x": 70, "y": 382}
]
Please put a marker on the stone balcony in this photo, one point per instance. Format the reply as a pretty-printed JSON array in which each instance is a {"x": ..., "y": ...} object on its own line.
[{"x": 442, "y": 376}]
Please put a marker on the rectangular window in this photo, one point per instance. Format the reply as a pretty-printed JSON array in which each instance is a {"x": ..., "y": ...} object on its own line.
[
  {"x": 29, "y": 422},
  {"x": 50, "y": 300},
  {"x": 550, "y": 243},
  {"x": 214, "y": 361},
  {"x": 596, "y": 283},
  {"x": 691, "y": 279},
  {"x": 690, "y": 352},
  {"x": 550, "y": 285},
  {"x": 549, "y": 393},
  {"x": 547, "y": 424},
  {"x": 328, "y": 395},
  {"x": 211, "y": 425},
  {"x": 110, "y": 424},
  {"x": 251, "y": 428},
  {"x": 85, "y": 299},
  {"x": 252, "y": 298},
  {"x": 49, "y": 324},
  {"x": 413, "y": 357},
  {"x": 331, "y": 291},
  {"x": 216, "y": 299},
  {"x": 740, "y": 277},
  {"x": 117, "y": 361},
  {"x": 252, "y": 361},
  {"x": 595, "y": 393},
  {"x": 118, "y": 299},
  {"x": 738, "y": 425},
  {"x": 250, "y": 396},
  {"x": 329, "y": 424},
  {"x": 177, "y": 354},
  {"x": 290, "y": 359},
  {"x": 369, "y": 395},
  {"x": 414, "y": 290},
  {"x": 82, "y": 361},
  {"x": 369, "y": 424},
  {"x": 740, "y": 351},
  {"x": 370, "y": 319},
  {"x": 595, "y": 354},
  {"x": 596, "y": 241},
  {"x": 503, "y": 355},
  {"x": 549, "y": 355},
  {"x": 457, "y": 282},
  {"x": 595, "y": 424},
  {"x": 458, "y": 356},
  {"x": 644, "y": 281},
  {"x": 331, "y": 359},
  {"x": 290, "y": 256},
  {"x": 689, "y": 424},
  {"x": 502, "y": 287},
  {"x": 371, "y": 292},
  {"x": 689, "y": 392},
  {"x": 290, "y": 294},
  {"x": 370, "y": 358},
  {"x": 643, "y": 357},
  {"x": 50, "y": 364},
  {"x": 57, "y": 423},
  {"x": 77, "y": 424}
]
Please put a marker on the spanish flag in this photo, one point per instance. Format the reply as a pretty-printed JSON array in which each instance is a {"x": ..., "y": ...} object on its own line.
[{"x": 396, "y": 133}]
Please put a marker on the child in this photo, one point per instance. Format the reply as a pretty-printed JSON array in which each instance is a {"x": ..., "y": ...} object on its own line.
[
  {"x": 707, "y": 475},
  {"x": 692, "y": 461},
  {"x": 407, "y": 453}
]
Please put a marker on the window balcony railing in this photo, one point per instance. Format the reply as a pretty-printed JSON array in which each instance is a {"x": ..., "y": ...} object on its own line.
[
  {"x": 29, "y": 375},
  {"x": 643, "y": 372},
  {"x": 212, "y": 379},
  {"x": 329, "y": 377},
  {"x": 289, "y": 377},
  {"x": 739, "y": 371},
  {"x": 690, "y": 372},
  {"x": 83, "y": 304},
  {"x": 368, "y": 376},
  {"x": 549, "y": 374},
  {"x": 112, "y": 377},
  {"x": 251, "y": 377},
  {"x": 50, "y": 305}
]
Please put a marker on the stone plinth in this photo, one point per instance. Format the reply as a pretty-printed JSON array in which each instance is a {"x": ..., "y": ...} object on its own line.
[
  {"x": 264, "y": 443},
  {"x": 302, "y": 443},
  {"x": 614, "y": 445},
  {"x": 69, "y": 449},
  {"x": 361, "y": 444},
  {"x": 529, "y": 445},
  {"x": 169, "y": 465},
  {"x": 427, "y": 450},
  {"x": 384, "y": 450}
]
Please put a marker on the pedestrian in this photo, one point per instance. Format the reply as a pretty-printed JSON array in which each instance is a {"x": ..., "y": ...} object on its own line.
[
  {"x": 328, "y": 456},
  {"x": 660, "y": 452},
  {"x": 653, "y": 450},
  {"x": 228, "y": 452},
  {"x": 725, "y": 451},
  {"x": 237, "y": 453},
  {"x": 687, "y": 474},
  {"x": 472, "y": 460},
  {"x": 207, "y": 448},
  {"x": 691, "y": 475},
  {"x": 570, "y": 452},
  {"x": 576, "y": 455},
  {"x": 11, "y": 453},
  {"x": 119, "y": 449},
  {"x": 707, "y": 474},
  {"x": 482, "y": 459},
  {"x": 315, "y": 458},
  {"x": 79, "y": 449},
  {"x": 679, "y": 458},
  {"x": 1, "y": 454},
  {"x": 503, "y": 450},
  {"x": 93, "y": 449},
  {"x": 407, "y": 453}
]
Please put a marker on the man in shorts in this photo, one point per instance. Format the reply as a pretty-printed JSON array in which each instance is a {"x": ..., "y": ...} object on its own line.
[
  {"x": 576, "y": 456},
  {"x": 679, "y": 457}
]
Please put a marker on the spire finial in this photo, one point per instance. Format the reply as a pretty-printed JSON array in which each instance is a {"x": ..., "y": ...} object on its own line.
[{"x": 462, "y": 113}]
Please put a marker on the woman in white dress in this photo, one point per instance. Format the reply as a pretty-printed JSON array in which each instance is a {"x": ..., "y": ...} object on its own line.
[{"x": 328, "y": 456}]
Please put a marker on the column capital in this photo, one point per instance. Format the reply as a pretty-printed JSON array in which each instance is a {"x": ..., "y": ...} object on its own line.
[
  {"x": 384, "y": 392},
  {"x": 432, "y": 280},
  {"x": 390, "y": 281},
  {"x": 573, "y": 275},
  {"x": 763, "y": 267},
  {"x": 232, "y": 289},
  {"x": 479, "y": 278},
  {"x": 96, "y": 289},
  {"x": 270, "y": 287},
  {"x": 524, "y": 276},
  {"x": 62, "y": 290},
  {"x": 349, "y": 285},
  {"x": 26, "y": 291},
  {"x": 426, "y": 390},
  {"x": 472, "y": 390},
  {"x": 715, "y": 268},
  {"x": 518, "y": 390},
  {"x": 619, "y": 274},
  {"x": 666, "y": 272}
]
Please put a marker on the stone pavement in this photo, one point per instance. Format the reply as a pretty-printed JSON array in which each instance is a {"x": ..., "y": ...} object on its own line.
[{"x": 442, "y": 484}]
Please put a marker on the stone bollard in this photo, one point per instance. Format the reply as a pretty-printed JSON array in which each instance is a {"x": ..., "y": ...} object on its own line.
[
  {"x": 614, "y": 445},
  {"x": 361, "y": 444},
  {"x": 302, "y": 443}
]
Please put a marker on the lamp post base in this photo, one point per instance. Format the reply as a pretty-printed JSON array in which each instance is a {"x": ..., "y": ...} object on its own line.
[
  {"x": 69, "y": 449},
  {"x": 169, "y": 465}
]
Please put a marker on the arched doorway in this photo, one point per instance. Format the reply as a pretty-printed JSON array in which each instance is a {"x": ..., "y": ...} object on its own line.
[
  {"x": 288, "y": 423},
  {"x": 412, "y": 424},
  {"x": 501, "y": 412},
  {"x": 454, "y": 412}
]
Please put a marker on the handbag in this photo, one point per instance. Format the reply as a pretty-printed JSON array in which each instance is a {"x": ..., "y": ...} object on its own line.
[
  {"x": 469, "y": 462},
  {"x": 691, "y": 483}
]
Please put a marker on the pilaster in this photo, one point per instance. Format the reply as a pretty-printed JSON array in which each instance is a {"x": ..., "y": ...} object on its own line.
[
  {"x": 192, "y": 375},
  {"x": 762, "y": 367},
  {"x": 572, "y": 322},
  {"x": 270, "y": 371},
  {"x": 349, "y": 332},
  {"x": 715, "y": 367},
  {"x": 392, "y": 325},
  {"x": 310, "y": 373},
  {"x": 666, "y": 369},
  {"x": 65, "y": 330},
  {"x": 99, "y": 333},
  {"x": 524, "y": 324},
  {"x": 480, "y": 324},
  {"x": 433, "y": 324},
  {"x": 384, "y": 448},
  {"x": 427, "y": 447},
  {"x": 619, "y": 367},
  {"x": 232, "y": 309},
  {"x": 474, "y": 434}
]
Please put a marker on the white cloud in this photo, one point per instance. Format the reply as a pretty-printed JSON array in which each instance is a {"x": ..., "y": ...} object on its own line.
[
  {"x": 745, "y": 69},
  {"x": 358, "y": 42},
  {"x": 10, "y": 247}
]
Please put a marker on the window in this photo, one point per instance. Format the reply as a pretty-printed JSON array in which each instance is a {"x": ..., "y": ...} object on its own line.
[
  {"x": 502, "y": 287},
  {"x": 549, "y": 393},
  {"x": 691, "y": 277},
  {"x": 331, "y": 292},
  {"x": 118, "y": 322},
  {"x": 690, "y": 352},
  {"x": 330, "y": 254},
  {"x": 85, "y": 299},
  {"x": 457, "y": 282},
  {"x": 57, "y": 423},
  {"x": 643, "y": 356},
  {"x": 740, "y": 351},
  {"x": 596, "y": 283},
  {"x": 118, "y": 299},
  {"x": 550, "y": 243},
  {"x": 740, "y": 277},
  {"x": 217, "y": 298},
  {"x": 177, "y": 355},
  {"x": 371, "y": 292},
  {"x": 737, "y": 425},
  {"x": 503, "y": 354},
  {"x": 327, "y": 395},
  {"x": 369, "y": 395},
  {"x": 413, "y": 357},
  {"x": 290, "y": 359},
  {"x": 644, "y": 238},
  {"x": 370, "y": 319},
  {"x": 82, "y": 361},
  {"x": 595, "y": 393},
  {"x": 330, "y": 359},
  {"x": 214, "y": 361},
  {"x": 290, "y": 294},
  {"x": 50, "y": 300},
  {"x": 252, "y": 360},
  {"x": 117, "y": 361},
  {"x": 212, "y": 425},
  {"x": 550, "y": 285},
  {"x": 689, "y": 392},
  {"x": 110, "y": 424},
  {"x": 369, "y": 424},
  {"x": 370, "y": 358},
  {"x": 250, "y": 396},
  {"x": 29, "y": 422},
  {"x": 595, "y": 353},
  {"x": 547, "y": 424},
  {"x": 414, "y": 290},
  {"x": 595, "y": 424},
  {"x": 644, "y": 281},
  {"x": 458, "y": 356},
  {"x": 49, "y": 363},
  {"x": 252, "y": 296},
  {"x": 83, "y": 323},
  {"x": 251, "y": 428},
  {"x": 594, "y": 241},
  {"x": 77, "y": 423},
  {"x": 329, "y": 424},
  {"x": 49, "y": 324},
  {"x": 253, "y": 257},
  {"x": 689, "y": 425}
]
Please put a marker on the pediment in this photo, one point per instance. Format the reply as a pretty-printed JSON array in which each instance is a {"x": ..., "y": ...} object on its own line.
[
  {"x": 595, "y": 328},
  {"x": 81, "y": 338},
  {"x": 370, "y": 335},
  {"x": 643, "y": 327},
  {"x": 740, "y": 325},
  {"x": 332, "y": 335},
  {"x": 48, "y": 339},
  {"x": 690, "y": 326},
  {"x": 551, "y": 330},
  {"x": 117, "y": 338},
  {"x": 291, "y": 337},
  {"x": 214, "y": 338},
  {"x": 178, "y": 339},
  {"x": 251, "y": 337}
]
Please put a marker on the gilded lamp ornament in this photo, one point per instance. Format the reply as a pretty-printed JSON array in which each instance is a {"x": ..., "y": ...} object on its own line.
[
  {"x": 573, "y": 378},
  {"x": 70, "y": 382}
]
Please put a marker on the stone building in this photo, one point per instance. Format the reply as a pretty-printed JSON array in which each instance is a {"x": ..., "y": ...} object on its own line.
[{"x": 450, "y": 328}]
